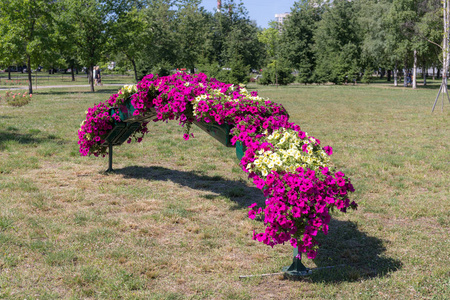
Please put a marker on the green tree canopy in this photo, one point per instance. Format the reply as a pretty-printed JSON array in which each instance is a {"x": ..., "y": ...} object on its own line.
[{"x": 27, "y": 28}]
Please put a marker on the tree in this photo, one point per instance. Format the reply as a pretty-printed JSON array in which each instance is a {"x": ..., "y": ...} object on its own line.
[
  {"x": 376, "y": 49},
  {"x": 242, "y": 39},
  {"x": 297, "y": 38},
  {"x": 235, "y": 35},
  {"x": 129, "y": 33},
  {"x": 191, "y": 33},
  {"x": 270, "y": 37},
  {"x": 26, "y": 32},
  {"x": 239, "y": 71},
  {"x": 337, "y": 43},
  {"x": 445, "y": 52},
  {"x": 158, "y": 54},
  {"x": 412, "y": 20},
  {"x": 88, "y": 21},
  {"x": 9, "y": 47},
  {"x": 279, "y": 74},
  {"x": 429, "y": 30}
]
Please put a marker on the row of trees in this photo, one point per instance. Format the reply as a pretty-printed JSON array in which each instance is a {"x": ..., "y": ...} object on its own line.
[
  {"x": 146, "y": 35},
  {"x": 345, "y": 40},
  {"x": 322, "y": 41}
]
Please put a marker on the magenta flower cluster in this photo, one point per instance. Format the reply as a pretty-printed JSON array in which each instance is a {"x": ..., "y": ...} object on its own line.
[
  {"x": 298, "y": 206},
  {"x": 93, "y": 130},
  {"x": 298, "y": 203}
]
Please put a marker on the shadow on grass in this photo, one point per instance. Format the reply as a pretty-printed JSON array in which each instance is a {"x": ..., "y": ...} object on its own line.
[
  {"x": 355, "y": 254},
  {"x": 236, "y": 191},
  {"x": 347, "y": 254},
  {"x": 24, "y": 138}
]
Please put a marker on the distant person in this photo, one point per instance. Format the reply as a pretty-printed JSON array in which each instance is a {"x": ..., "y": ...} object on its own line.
[
  {"x": 409, "y": 78},
  {"x": 95, "y": 75},
  {"x": 99, "y": 76}
]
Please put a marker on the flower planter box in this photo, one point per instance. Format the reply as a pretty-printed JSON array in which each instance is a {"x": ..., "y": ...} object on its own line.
[
  {"x": 126, "y": 113},
  {"x": 219, "y": 132},
  {"x": 128, "y": 124},
  {"x": 240, "y": 150},
  {"x": 120, "y": 133},
  {"x": 222, "y": 134}
]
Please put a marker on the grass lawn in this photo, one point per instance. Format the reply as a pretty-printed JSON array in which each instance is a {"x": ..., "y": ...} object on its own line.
[{"x": 171, "y": 222}]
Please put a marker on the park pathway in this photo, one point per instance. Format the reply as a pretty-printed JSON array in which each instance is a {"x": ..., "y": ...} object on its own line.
[{"x": 54, "y": 86}]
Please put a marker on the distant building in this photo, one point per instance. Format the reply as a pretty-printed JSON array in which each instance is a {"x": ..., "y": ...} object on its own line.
[{"x": 279, "y": 18}]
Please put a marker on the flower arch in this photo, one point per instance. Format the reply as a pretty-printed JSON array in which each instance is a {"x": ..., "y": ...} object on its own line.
[{"x": 290, "y": 167}]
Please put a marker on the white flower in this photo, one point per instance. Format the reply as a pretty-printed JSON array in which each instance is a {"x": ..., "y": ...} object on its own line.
[
  {"x": 257, "y": 163},
  {"x": 274, "y": 156}
]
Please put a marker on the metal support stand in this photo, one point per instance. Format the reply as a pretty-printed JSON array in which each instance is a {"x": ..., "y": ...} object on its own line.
[
  {"x": 443, "y": 89},
  {"x": 110, "y": 169},
  {"x": 296, "y": 269}
]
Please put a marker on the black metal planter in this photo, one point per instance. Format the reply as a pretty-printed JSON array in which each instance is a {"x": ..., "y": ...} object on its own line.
[{"x": 123, "y": 129}]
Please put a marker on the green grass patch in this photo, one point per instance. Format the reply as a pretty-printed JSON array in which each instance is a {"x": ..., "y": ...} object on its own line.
[{"x": 171, "y": 221}]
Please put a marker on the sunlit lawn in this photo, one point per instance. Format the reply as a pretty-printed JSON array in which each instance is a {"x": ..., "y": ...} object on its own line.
[{"x": 171, "y": 222}]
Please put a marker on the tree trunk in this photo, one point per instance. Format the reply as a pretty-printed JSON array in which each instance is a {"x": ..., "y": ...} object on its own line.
[
  {"x": 9, "y": 73},
  {"x": 445, "y": 46},
  {"x": 73, "y": 73},
  {"x": 91, "y": 79},
  {"x": 395, "y": 75},
  {"x": 405, "y": 75},
  {"x": 135, "y": 70},
  {"x": 424, "y": 74},
  {"x": 389, "y": 75},
  {"x": 276, "y": 74},
  {"x": 414, "y": 79},
  {"x": 30, "y": 83}
]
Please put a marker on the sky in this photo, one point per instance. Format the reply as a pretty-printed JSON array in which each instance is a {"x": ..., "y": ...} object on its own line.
[{"x": 262, "y": 11}]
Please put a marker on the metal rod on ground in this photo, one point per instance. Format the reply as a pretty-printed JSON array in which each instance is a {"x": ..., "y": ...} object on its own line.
[
  {"x": 261, "y": 275},
  {"x": 437, "y": 98},
  {"x": 448, "y": 97},
  {"x": 282, "y": 273}
]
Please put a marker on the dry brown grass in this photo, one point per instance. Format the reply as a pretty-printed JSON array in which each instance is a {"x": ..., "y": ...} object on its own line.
[{"x": 171, "y": 222}]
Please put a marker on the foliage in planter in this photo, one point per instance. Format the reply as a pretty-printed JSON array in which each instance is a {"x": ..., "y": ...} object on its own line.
[{"x": 291, "y": 168}]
